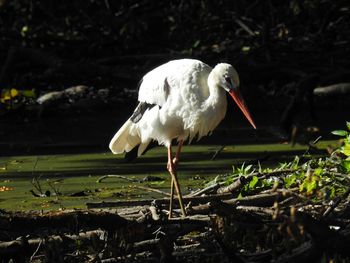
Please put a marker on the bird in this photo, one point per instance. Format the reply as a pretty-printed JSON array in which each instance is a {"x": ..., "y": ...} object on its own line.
[{"x": 177, "y": 101}]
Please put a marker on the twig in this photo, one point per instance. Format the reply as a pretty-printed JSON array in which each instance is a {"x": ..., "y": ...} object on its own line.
[
  {"x": 154, "y": 212},
  {"x": 37, "y": 249},
  {"x": 72, "y": 220},
  {"x": 256, "y": 209},
  {"x": 99, "y": 180},
  {"x": 151, "y": 189},
  {"x": 206, "y": 190},
  {"x": 335, "y": 203},
  {"x": 54, "y": 189},
  {"x": 244, "y": 26},
  {"x": 217, "y": 152},
  {"x": 242, "y": 180},
  {"x": 36, "y": 183},
  {"x": 235, "y": 186},
  {"x": 128, "y": 203}
]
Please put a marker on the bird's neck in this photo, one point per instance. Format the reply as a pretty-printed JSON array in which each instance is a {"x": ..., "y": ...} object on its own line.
[
  {"x": 216, "y": 96},
  {"x": 216, "y": 93}
]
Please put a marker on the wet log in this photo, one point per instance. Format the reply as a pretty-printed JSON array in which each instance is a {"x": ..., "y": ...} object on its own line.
[
  {"x": 26, "y": 246},
  {"x": 235, "y": 186},
  {"x": 163, "y": 201},
  {"x": 70, "y": 221},
  {"x": 333, "y": 90}
]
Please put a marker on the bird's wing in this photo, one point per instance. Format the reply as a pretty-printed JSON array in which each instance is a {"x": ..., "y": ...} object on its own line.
[
  {"x": 187, "y": 75},
  {"x": 154, "y": 88},
  {"x": 140, "y": 110}
]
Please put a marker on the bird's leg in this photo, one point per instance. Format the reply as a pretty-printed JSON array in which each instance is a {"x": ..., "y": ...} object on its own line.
[
  {"x": 174, "y": 182},
  {"x": 171, "y": 198},
  {"x": 170, "y": 167},
  {"x": 175, "y": 163},
  {"x": 177, "y": 156}
]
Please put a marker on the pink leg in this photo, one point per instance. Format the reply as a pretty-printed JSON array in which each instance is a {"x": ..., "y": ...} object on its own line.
[
  {"x": 174, "y": 182},
  {"x": 177, "y": 156}
]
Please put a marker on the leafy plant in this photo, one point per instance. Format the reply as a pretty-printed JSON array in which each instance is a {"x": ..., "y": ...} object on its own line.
[
  {"x": 345, "y": 148},
  {"x": 317, "y": 178}
]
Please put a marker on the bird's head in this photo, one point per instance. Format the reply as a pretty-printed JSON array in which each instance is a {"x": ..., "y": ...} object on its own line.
[{"x": 227, "y": 78}]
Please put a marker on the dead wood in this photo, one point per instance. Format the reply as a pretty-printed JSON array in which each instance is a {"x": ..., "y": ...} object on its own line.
[
  {"x": 163, "y": 201},
  {"x": 335, "y": 203},
  {"x": 207, "y": 190},
  {"x": 333, "y": 90},
  {"x": 305, "y": 252},
  {"x": 149, "y": 189},
  {"x": 71, "y": 221},
  {"x": 102, "y": 178},
  {"x": 29, "y": 246},
  {"x": 237, "y": 185},
  {"x": 147, "y": 245}
]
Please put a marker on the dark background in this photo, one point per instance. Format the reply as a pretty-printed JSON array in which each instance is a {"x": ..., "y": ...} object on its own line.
[{"x": 283, "y": 51}]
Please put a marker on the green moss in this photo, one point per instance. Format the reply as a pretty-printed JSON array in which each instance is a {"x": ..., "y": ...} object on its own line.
[{"x": 79, "y": 172}]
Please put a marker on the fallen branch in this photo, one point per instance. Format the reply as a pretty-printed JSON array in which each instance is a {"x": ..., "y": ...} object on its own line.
[
  {"x": 24, "y": 246},
  {"x": 71, "y": 221},
  {"x": 242, "y": 180},
  {"x": 207, "y": 190},
  {"x": 99, "y": 180},
  {"x": 336, "y": 89},
  {"x": 335, "y": 203},
  {"x": 149, "y": 189},
  {"x": 163, "y": 201}
]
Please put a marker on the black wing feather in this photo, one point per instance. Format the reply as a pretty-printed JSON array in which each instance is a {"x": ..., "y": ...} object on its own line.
[{"x": 140, "y": 110}]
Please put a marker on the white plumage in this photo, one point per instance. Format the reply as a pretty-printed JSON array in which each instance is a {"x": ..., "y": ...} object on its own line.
[
  {"x": 190, "y": 102},
  {"x": 179, "y": 100}
]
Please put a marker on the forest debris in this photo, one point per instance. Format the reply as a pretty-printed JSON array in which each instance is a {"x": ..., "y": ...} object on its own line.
[
  {"x": 151, "y": 178},
  {"x": 335, "y": 203},
  {"x": 335, "y": 89},
  {"x": 102, "y": 178},
  {"x": 72, "y": 92},
  {"x": 50, "y": 97},
  {"x": 151, "y": 189},
  {"x": 72, "y": 221},
  {"x": 194, "y": 200},
  {"x": 217, "y": 152},
  {"x": 150, "y": 234},
  {"x": 29, "y": 246},
  {"x": 207, "y": 190},
  {"x": 235, "y": 186}
]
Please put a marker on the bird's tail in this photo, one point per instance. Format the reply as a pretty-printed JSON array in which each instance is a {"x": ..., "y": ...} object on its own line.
[{"x": 125, "y": 139}]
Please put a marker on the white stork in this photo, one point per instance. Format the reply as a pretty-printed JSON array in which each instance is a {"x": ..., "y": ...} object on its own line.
[{"x": 179, "y": 100}]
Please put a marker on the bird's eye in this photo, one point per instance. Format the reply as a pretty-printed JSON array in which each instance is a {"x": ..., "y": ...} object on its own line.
[{"x": 229, "y": 81}]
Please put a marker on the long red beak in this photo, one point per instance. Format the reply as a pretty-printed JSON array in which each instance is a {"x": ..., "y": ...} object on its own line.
[{"x": 237, "y": 97}]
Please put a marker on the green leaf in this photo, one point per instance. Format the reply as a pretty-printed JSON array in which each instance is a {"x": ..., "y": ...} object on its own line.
[
  {"x": 246, "y": 170},
  {"x": 318, "y": 171},
  {"x": 346, "y": 165},
  {"x": 311, "y": 186},
  {"x": 348, "y": 125},
  {"x": 346, "y": 150},
  {"x": 295, "y": 163},
  {"x": 302, "y": 186},
  {"x": 290, "y": 180},
  {"x": 253, "y": 182},
  {"x": 30, "y": 93},
  {"x": 340, "y": 133}
]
